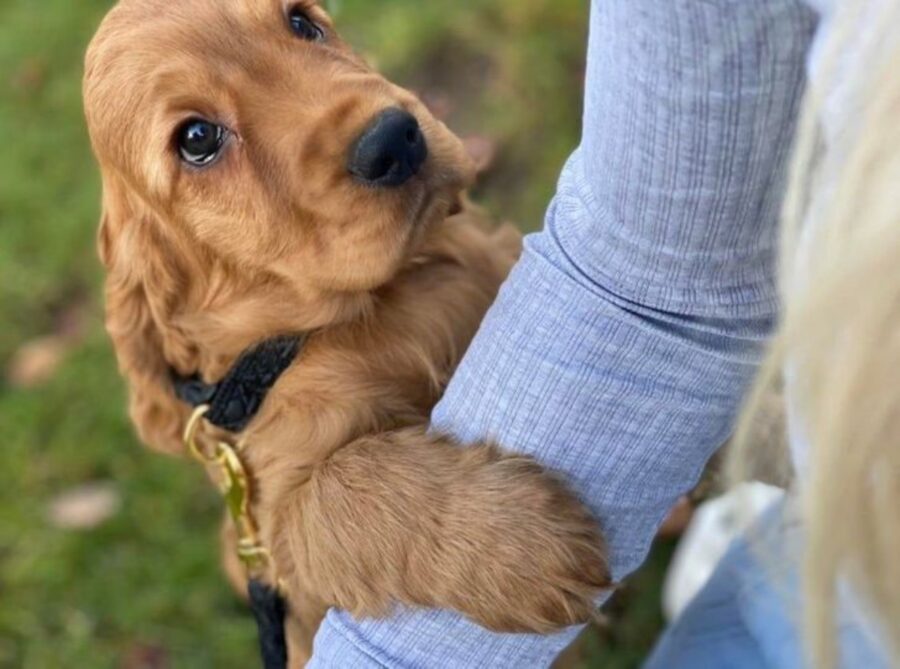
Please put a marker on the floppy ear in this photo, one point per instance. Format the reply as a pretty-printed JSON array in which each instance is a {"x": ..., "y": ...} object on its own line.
[{"x": 144, "y": 287}]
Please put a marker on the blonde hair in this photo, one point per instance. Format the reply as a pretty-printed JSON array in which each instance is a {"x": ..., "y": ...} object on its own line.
[{"x": 839, "y": 339}]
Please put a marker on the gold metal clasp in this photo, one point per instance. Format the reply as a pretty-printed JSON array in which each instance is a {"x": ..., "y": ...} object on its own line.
[
  {"x": 190, "y": 436},
  {"x": 234, "y": 484}
]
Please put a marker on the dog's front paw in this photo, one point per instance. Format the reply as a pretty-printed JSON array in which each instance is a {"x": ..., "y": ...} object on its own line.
[{"x": 530, "y": 558}]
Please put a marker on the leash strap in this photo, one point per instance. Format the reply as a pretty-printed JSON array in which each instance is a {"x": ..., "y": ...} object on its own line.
[
  {"x": 231, "y": 404},
  {"x": 269, "y": 610}
]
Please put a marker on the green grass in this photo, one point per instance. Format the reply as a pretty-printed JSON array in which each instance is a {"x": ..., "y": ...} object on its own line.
[{"x": 145, "y": 586}]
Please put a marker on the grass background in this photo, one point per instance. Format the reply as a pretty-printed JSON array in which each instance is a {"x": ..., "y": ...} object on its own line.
[{"x": 143, "y": 588}]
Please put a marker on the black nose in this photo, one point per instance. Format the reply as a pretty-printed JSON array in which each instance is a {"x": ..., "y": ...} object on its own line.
[{"x": 390, "y": 151}]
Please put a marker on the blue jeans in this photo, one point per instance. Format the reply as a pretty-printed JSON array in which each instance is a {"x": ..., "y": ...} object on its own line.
[{"x": 746, "y": 616}]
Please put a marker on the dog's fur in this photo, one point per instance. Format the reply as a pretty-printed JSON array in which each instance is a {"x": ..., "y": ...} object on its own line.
[{"x": 360, "y": 506}]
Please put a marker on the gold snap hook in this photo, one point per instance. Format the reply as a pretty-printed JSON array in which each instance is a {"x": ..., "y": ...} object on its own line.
[
  {"x": 235, "y": 486},
  {"x": 190, "y": 436}
]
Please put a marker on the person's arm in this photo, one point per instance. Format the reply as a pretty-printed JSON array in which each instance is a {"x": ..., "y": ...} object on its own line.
[{"x": 619, "y": 349}]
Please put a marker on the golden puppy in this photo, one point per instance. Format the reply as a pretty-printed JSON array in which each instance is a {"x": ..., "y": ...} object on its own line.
[{"x": 260, "y": 179}]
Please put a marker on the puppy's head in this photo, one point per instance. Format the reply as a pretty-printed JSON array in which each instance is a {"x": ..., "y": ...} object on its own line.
[
  {"x": 257, "y": 174},
  {"x": 252, "y": 130}
]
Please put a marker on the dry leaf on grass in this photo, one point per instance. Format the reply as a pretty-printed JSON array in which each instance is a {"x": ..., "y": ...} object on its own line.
[
  {"x": 85, "y": 507},
  {"x": 36, "y": 361}
]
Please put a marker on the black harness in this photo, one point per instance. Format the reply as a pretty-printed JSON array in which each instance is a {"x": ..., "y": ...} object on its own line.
[
  {"x": 233, "y": 403},
  {"x": 236, "y": 399}
]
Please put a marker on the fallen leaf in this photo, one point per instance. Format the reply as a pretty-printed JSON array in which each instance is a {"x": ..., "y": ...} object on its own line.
[
  {"x": 85, "y": 507},
  {"x": 36, "y": 361}
]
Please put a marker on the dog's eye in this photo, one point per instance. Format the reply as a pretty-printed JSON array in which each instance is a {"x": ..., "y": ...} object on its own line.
[
  {"x": 200, "y": 141},
  {"x": 304, "y": 27}
]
